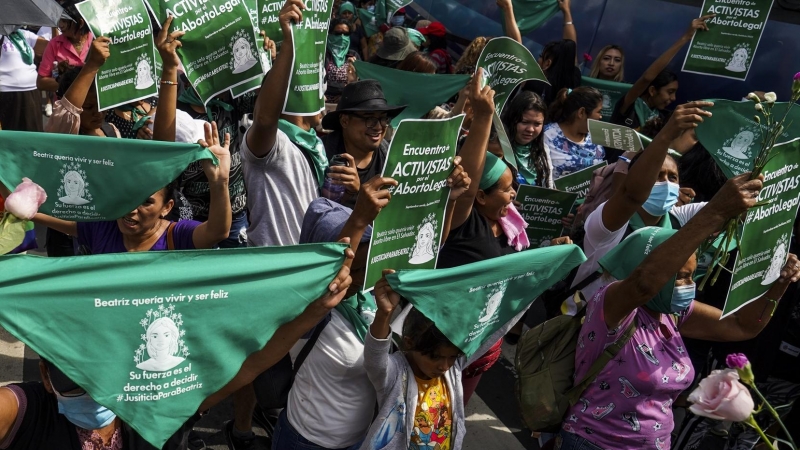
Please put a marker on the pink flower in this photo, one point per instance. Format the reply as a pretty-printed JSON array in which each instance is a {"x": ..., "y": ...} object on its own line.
[
  {"x": 587, "y": 57},
  {"x": 797, "y": 76},
  {"x": 720, "y": 396},
  {"x": 26, "y": 199},
  {"x": 737, "y": 361}
]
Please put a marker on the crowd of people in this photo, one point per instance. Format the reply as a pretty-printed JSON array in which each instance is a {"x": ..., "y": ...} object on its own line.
[{"x": 286, "y": 179}]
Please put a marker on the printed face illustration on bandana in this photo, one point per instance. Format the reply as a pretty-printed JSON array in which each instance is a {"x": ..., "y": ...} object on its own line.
[
  {"x": 740, "y": 145},
  {"x": 74, "y": 188}
]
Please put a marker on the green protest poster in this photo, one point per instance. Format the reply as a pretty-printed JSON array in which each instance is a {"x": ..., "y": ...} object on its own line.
[
  {"x": 268, "y": 14},
  {"x": 86, "y": 181},
  {"x": 543, "y": 209},
  {"x": 614, "y": 136},
  {"x": 385, "y": 9},
  {"x": 733, "y": 137},
  {"x": 506, "y": 63},
  {"x": 368, "y": 21},
  {"x": 219, "y": 48},
  {"x": 764, "y": 245},
  {"x": 532, "y": 14},
  {"x": 578, "y": 182},
  {"x": 612, "y": 92},
  {"x": 153, "y": 351},
  {"x": 421, "y": 92},
  {"x": 408, "y": 231},
  {"x": 470, "y": 303},
  {"x": 306, "y": 96},
  {"x": 129, "y": 73},
  {"x": 729, "y": 46},
  {"x": 502, "y": 138}
]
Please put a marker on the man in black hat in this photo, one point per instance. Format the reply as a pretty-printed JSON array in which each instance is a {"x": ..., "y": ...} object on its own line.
[{"x": 359, "y": 125}]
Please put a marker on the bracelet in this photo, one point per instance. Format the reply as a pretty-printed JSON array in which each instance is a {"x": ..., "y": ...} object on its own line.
[
  {"x": 567, "y": 23},
  {"x": 171, "y": 83},
  {"x": 774, "y": 307}
]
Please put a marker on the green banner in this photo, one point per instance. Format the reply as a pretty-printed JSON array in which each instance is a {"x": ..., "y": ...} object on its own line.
[
  {"x": 729, "y": 46},
  {"x": 532, "y": 14},
  {"x": 470, "y": 303},
  {"x": 733, "y": 137},
  {"x": 368, "y": 22},
  {"x": 614, "y": 136},
  {"x": 219, "y": 49},
  {"x": 767, "y": 231},
  {"x": 385, "y": 9},
  {"x": 408, "y": 232},
  {"x": 506, "y": 63},
  {"x": 543, "y": 209},
  {"x": 153, "y": 351},
  {"x": 88, "y": 182},
  {"x": 612, "y": 92},
  {"x": 306, "y": 96},
  {"x": 129, "y": 73},
  {"x": 578, "y": 182},
  {"x": 421, "y": 92}
]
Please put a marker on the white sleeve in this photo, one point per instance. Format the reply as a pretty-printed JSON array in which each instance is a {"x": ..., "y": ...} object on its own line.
[
  {"x": 686, "y": 212},
  {"x": 597, "y": 235},
  {"x": 30, "y": 38}
]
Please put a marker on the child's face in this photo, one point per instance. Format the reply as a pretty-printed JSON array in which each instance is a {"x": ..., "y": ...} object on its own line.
[{"x": 433, "y": 366}]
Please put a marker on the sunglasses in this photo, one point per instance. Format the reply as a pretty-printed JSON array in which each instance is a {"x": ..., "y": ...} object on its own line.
[
  {"x": 372, "y": 122},
  {"x": 339, "y": 33}
]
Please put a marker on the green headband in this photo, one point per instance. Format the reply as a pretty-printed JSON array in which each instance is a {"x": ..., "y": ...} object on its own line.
[
  {"x": 625, "y": 257},
  {"x": 416, "y": 37},
  {"x": 492, "y": 171},
  {"x": 347, "y": 6}
]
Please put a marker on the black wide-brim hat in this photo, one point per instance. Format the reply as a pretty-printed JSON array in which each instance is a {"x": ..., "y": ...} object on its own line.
[
  {"x": 362, "y": 96},
  {"x": 60, "y": 381}
]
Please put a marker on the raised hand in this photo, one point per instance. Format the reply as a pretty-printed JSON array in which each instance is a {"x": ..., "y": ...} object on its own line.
[
  {"x": 458, "y": 181},
  {"x": 167, "y": 44},
  {"x": 292, "y": 12},
  {"x": 346, "y": 175},
  {"x": 221, "y": 171},
  {"x": 99, "y": 52},
  {"x": 686, "y": 117},
  {"x": 736, "y": 196},
  {"x": 481, "y": 98},
  {"x": 385, "y": 297},
  {"x": 372, "y": 198}
]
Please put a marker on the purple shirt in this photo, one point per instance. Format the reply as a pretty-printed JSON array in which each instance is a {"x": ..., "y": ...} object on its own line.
[
  {"x": 105, "y": 237},
  {"x": 629, "y": 405}
]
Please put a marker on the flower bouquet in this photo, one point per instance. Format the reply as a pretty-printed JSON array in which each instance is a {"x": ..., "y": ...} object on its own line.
[
  {"x": 774, "y": 128},
  {"x": 20, "y": 207}
]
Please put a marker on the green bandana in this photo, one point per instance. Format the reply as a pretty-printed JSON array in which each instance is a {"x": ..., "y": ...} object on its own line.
[
  {"x": 219, "y": 306},
  {"x": 347, "y": 6},
  {"x": 87, "y": 179},
  {"x": 25, "y": 50},
  {"x": 138, "y": 115},
  {"x": 643, "y": 112},
  {"x": 493, "y": 169},
  {"x": 359, "y": 310},
  {"x": 190, "y": 97},
  {"x": 470, "y": 303},
  {"x": 623, "y": 259},
  {"x": 311, "y": 146},
  {"x": 429, "y": 90},
  {"x": 525, "y": 164},
  {"x": 636, "y": 222},
  {"x": 531, "y": 14},
  {"x": 368, "y": 21},
  {"x": 338, "y": 46},
  {"x": 416, "y": 37}
]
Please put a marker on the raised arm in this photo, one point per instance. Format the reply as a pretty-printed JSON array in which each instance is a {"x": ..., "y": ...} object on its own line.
[
  {"x": 661, "y": 63},
  {"x": 665, "y": 261},
  {"x": 64, "y": 226},
  {"x": 269, "y": 104},
  {"x": 218, "y": 225},
  {"x": 636, "y": 187},
  {"x": 167, "y": 44},
  {"x": 511, "y": 28},
  {"x": 473, "y": 153},
  {"x": 459, "y": 182},
  {"x": 287, "y": 335},
  {"x": 99, "y": 53},
  {"x": 372, "y": 197},
  {"x": 746, "y": 323},
  {"x": 569, "y": 32}
]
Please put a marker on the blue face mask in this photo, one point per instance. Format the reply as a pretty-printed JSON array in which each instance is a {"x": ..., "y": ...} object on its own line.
[
  {"x": 662, "y": 198},
  {"x": 371, "y": 8},
  {"x": 398, "y": 20},
  {"x": 84, "y": 412},
  {"x": 682, "y": 297}
]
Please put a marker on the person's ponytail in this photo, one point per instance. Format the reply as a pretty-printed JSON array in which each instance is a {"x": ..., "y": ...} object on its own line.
[{"x": 569, "y": 101}]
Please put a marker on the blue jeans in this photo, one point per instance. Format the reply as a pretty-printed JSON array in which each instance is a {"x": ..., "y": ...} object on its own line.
[
  {"x": 286, "y": 437},
  {"x": 570, "y": 441}
]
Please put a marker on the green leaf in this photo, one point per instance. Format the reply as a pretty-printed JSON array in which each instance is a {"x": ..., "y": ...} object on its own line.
[{"x": 12, "y": 233}]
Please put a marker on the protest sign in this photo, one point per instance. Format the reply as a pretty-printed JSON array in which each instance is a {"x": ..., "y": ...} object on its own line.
[
  {"x": 578, "y": 182},
  {"x": 408, "y": 232},
  {"x": 268, "y": 14},
  {"x": 531, "y": 14},
  {"x": 420, "y": 92},
  {"x": 502, "y": 288},
  {"x": 88, "y": 182},
  {"x": 385, "y": 9},
  {"x": 729, "y": 46},
  {"x": 159, "y": 332},
  {"x": 543, "y": 209},
  {"x": 614, "y": 136},
  {"x": 129, "y": 73},
  {"x": 306, "y": 95},
  {"x": 506, "y": 63},
  {"x": 733, "y": 137},
  {"x": 219, "y": 49},
  {"x": 764, "y": 246},
  {"x": 612, "y": 93},
  {"x": 266, "y": 59}
]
